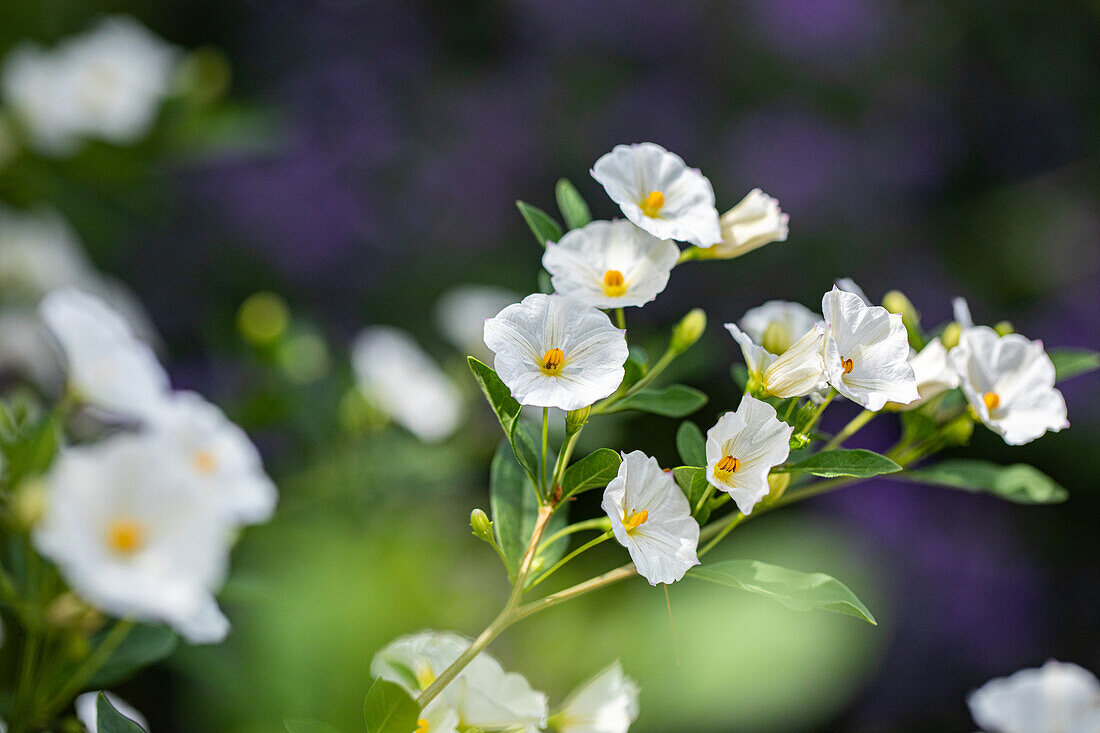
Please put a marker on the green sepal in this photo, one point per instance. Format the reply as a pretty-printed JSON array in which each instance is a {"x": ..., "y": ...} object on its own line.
[
  {"x": 571, "y": 204},
  {"x": 542, "y": 224}
]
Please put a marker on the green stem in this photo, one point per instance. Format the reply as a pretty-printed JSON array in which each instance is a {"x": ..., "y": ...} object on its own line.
[
  {"x": 601, "y": 523},
  {"x": 580, "y": 589},
  {"x": 563, "y": 461},
  {"x": 729, "y": 526},
  {"x": 820, "y": 409},
  {"x": 586, "y": 546},
  {"x": 91, "y": 665},
  {"x": 662, "y": 363},
  {"x": 545, "y": 444},
  {"x": 620, "y": 318},
  {"x": 704, "y": 498},
  {"x": 850, "y": 429}
]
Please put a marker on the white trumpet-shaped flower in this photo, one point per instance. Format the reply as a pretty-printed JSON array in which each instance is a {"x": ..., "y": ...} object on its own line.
[
  {"x": 657, "y": 191},
  {"x": 87, "y": 710},
  {"x": 798, "y": 372},
  {"x": 651, "y": 518},
  {"x": 743, "y": 447},
  {"x": 610, "y": 264},
  {"x": 1055, "y": 698},
  {"x": 607, "y": 703},
  {"x": 137, "y": 537},
  {"x": 482, "y": 696},
  {"x": 1009, "y": 382},
  {"x": 933, "y": 372},
  {"x": 755, "y": 221},
  {"x": 405, "y": 383},
  {"x": 106, "y": 363},
  {"x": 554, "y": 351},
  {"x": 777, "y": 324},
  {"x": 866, "y": 352}
]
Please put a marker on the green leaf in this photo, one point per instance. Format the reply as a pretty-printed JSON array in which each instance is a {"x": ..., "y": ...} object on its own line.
[
  {"x": 1070, "y": 363},
  {"x": 692, "y": 480},
  {"x": 830, "y": 463},
  {"x": 795, "y": 590},
  {"x": 691, "y": 444},
  {"x": 740, "y": 375},
  {"x": 32, "y": 449},
  {"x": 1019, "y": 482},
  {"x": 542, "y": 225},
  {"x": 573, "y": 208},
  {"x": 310, "y": 726},
  {"x": 594, "y": 471},
  {"x": 144, "y": 645},
  {"x": 109, "y": 720},
  {"x": 389, "y": 709},
  {"x": 637, "y": 364},
  {"x": 515, "y": 508},
  {"x": 507, "y": 410},
  {"x": 545, "y": 284},
  {"x": 675, "y": 400}
]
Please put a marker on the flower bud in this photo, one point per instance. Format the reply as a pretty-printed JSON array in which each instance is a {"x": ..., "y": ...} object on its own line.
[
  {"x": 777, "y": 484},
  {"x": 688, "y": 330},
  {"x": 481, "y": 526},
  {"x": 1004, "y": 328},
  {"x": 896, "y": 302},
  {"x": 755, "y": 221},
  {"x": 575, "y": 419},
  {"x": 951, "y": 334}
]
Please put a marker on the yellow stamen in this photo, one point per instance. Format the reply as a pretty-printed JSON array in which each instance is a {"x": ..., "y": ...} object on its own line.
[
  {"x": 204, "y": 461},
  {"x": 848, "y": 365},
  {"x": 991, "y": 400},
  {"x": 635, "y": 520},
  {"x": 653, "y": 203},
  {"x": 613, "y": 284},
  {"x": 552, "y": 361},
  {"x": 726, "y": 467},
  {"x": 125, "y": 536},
  {"x": 421, "y": 726}
]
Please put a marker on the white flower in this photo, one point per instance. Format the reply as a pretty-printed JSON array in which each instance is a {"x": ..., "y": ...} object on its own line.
[
  {"x": 1009, "y": 382},
  {"x": 88, "y": 713},
  {"x": 135, "y": 536},
  {"x": 610, "y": 264},
  {"x": 757, "y": 220},
  {"x": 39, "y": 252},
  {"x": 398, "y": 376},
  {"x": 658, "y": 192},
  {"x": 777, "y": 324},
  {"x": 800, "y": 371},
  {"x": 483, "y": 695},
  {"x": 933, "y": 372},
  {"x": 461, "y": 312},
  {"x": 651, "y": 518},
  {"x": 866, "y": 352},
  {"x": 607, "y": 703},
  {"x": 217, "y": 455},
  {"x": 107, "y": 365},
  {"x": 743, "y": 447},
  {"x": 554, "y": 351},
  {"x": 1055, "y": 698}
]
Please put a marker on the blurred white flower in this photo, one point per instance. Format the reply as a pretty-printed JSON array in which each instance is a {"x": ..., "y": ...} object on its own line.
[
  {"x": 1055, "y": 698},
  {"x": 405, "y": 383},
  {"x": 610, "y": 264},
  {"x": 106, "y": 83},
  {"x": 798, "y": 372},
  {"x": 26, "y": 348},
  {"x": 960, "y": 310},
  {"x": 135, "y": 536},
  {"x": 933, "y": 372},
  {"x": 88, "y": 713},
  {"x": 777, "y": 324},
  {"x": 1009, "y": 382},
  {"x": 106, "y": 364},
  {"x": 742, "y": 447},
  {"x": 39, "y": 252},
  {"x": 461, "y": 313},
  {"x": 607, "y": 703},
  {"x": 651, "y": 518},
  {"x": 866, "y": 352},
  {"x": 658, "y": 192},
  {"x": 755, "y": 221},
  {"x": 483, "y": 695},
  {"x": 554, "y": 351},
  {"x": 216, "y": 454}
]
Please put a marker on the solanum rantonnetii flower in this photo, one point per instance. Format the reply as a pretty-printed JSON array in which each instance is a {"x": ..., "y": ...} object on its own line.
[
  {"x": 88, "y": 713},
  {"x": 1009, "y": 383},
  {"x": 657, "y": 191},
  {"x": 404, "y": 382},
  {"x": 651, "y": 518},
  {"x": 610, "y": 264},
  {"x": 106, "y": 364},
  {"x": 39, "y": 252},
  {"x": 216, "y": 454},
  {"x": 777, "y": 324},
  {"x": 482, "y": 696},
  {"x": 1055, "y": 698},
  {"x": 554, "y": 351},
  {"x": 137, "y": 537},
  {"x": 460, "y": 315},
  {"x": 866, "y": 352},
  {"x": 755, "y": 221},
  {"x": 933, "y": 372},
  {"x": 743, "y": 447},
  {"x": 798, "y": 372},
  {"x": 607, "y": 703}
]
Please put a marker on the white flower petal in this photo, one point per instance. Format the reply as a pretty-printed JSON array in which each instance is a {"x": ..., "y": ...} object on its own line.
[
  {"x": 777, "y": 324},
  {"x": 607, "y": 703}
]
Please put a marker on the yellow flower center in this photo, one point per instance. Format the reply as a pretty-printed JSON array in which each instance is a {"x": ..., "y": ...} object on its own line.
[
  {"x": 552, "y": 361},
  {"x": 726, "y": 467},
  {"x": 613, "y": 284},
  {"x": 991, "y": 400},
  {"x": 204, "y": 461},
  {"x": 635, "y": 520},
  {"x": 125, "y": 536},
  {"x": 653, "y": 203},
  {"x": 848, "y": 365},
  {"x": 421, "y": 726}
]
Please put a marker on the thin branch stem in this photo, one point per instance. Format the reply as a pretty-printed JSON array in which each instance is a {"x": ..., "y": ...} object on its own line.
[
  {"x": 850, "y": 429},
  {"x": 544, "y": 491},
  {"x": 601, "y": 523},
  {"x": 91, "y": 665},
  {"x": 730, "y": 525},
  {"x": 620, "y": 318},
  {"x": 580, "y": 589},
  {"x": 586, "y": 546}
]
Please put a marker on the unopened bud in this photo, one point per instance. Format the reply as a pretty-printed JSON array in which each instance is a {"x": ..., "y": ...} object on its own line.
[
  {"x": 29, "y": 503},
  {"x": 688, "y": 330},
  {"x": 777, "y": 484},
  {"x": 799, "y": 441},
  {"x": 950, "y": 335},
  {"x": 481, "y": 526},
  {"x": 896, "y": 302},
  {"x": 776, "y": 338},
  {"x": 575, "y": 419},
  {"x": 1004, "y": 328}
]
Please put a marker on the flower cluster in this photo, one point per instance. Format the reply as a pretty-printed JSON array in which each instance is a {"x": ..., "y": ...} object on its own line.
[{"x": 1055, "y": 698}]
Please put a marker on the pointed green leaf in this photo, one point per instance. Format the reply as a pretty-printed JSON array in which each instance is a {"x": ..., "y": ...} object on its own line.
[
  {"x": 1069, "y": 363},
  {"x": 144, "y": 645},
  {"x": 1019, "y": 482},
  {"x": 542, "y": 225},
  {"x": 637, "y": 364},
  {"x": 308, "y": 726},
  {"x": 691, "y": 444},
  {"x": 389, "y": 709},
  {"x": 573, "y": 208},
  {"x": 675, "y": 400},
  {"x": 110, "y": 720},
  {"x": 594, "y": 471},
  {"x": 831, "y": 463},
  {"x": 795, "y": 590},
  {"x": 515, "y": 507},
  {"x": 692, "y": 480},
  {"x": 507, "y": 410}
]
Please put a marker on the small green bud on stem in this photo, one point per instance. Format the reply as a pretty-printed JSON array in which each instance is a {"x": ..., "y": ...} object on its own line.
[
  {"x": 778, "y": 483},
  {"x": 1004, "y": 328},
  {"x": 481, "y": 526},
  {"x": 950, "y": 336},
  {"x": 688, "y": 330},
  {"x": 896, "y": 302},
  {"x": 576, "y": 419}
]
